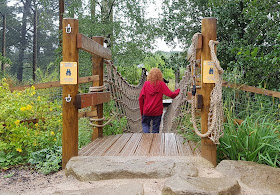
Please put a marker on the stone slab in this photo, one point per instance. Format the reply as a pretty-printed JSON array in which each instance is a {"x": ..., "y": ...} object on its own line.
[
  {"x": 94, "y": 168},
  {"x": 179, "y": 185},
  {"x": 131, "y": 188},
  {"x": 262, "y": 178}
]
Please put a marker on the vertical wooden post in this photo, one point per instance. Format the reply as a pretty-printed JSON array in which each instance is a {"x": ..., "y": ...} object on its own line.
[
  {"x": 69, "y": 111},
  {"x": 97, "y": 69},
  {"x": 209, "y": 32}
]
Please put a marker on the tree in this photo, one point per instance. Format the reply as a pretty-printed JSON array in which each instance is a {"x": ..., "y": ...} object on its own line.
[
  {"x": 247, "y": 31},
  {"x": 123, "y": 21}
]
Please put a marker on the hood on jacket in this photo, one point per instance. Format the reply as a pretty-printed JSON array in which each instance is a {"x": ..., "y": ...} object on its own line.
[{"x": 152, "y": 89}]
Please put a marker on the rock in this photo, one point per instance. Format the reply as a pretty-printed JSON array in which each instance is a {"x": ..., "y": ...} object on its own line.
[
  {"x": 6, "y": 192},
  {"x": 200, "y": 186},
  {"x": 262, "y": 178},
  {"x": 93, "y": 168},
  {"x": 131, "y": 188}
]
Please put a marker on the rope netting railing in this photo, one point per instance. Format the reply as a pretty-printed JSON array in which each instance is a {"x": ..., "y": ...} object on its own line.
[{"x": 125, "y": 97}]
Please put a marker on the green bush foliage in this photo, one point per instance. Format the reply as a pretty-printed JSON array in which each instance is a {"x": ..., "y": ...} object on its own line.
[{"x": 19, "y": 138}]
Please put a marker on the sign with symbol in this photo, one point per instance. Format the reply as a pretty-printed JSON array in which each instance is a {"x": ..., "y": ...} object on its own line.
[
  {"x": 68, "y": 73},
  {"x": 209, "y": 74}
]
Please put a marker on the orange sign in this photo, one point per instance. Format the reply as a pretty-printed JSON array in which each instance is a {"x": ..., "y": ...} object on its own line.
[
  {"x": 68, "y": 73},
  {"x": 210, "y": 73}
]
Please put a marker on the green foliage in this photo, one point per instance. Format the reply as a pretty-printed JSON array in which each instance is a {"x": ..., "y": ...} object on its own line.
[
  {"x": 85, "y": 132},
  {"x": 131, "y": 74},
  {"x": 116, "y": 126},
  {"x": 47, "y": 160},
  {"x": 256, "y": 139},
  {"x": 19, "y": 137}
]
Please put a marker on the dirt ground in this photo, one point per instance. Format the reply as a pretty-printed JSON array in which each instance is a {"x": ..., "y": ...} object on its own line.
[{"x": 24, "y": 181}]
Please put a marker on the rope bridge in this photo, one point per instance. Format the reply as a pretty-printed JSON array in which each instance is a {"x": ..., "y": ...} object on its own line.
[{"x": 126, "y": 96}]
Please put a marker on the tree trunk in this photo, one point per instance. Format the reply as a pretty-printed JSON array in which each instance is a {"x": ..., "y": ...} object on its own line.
[
  {"x": 3, "y": 42},
  {"x": 23, "y": 41},
  {"x": 61, "y": 12},
  {"x": 35, "y": 44},
  {"x": 92, "y": 9}
]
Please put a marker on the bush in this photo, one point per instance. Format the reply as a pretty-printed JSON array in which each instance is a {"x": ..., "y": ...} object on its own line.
[
  {"x": 47, "y": 160},
  {"x": 19, "y": 136}
]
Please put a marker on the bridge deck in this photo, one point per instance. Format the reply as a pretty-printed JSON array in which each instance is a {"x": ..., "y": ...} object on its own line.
[{"x": 139, "y": 144}]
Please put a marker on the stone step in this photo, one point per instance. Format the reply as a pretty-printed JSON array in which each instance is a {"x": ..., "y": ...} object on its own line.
[
  {"x": 94, "y": 168},
  {"x": 131, "y": 188}
]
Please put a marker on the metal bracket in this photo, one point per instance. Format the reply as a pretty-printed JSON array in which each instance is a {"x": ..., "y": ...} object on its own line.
[
  {"x": 68, "y": 29},
  {"x": 69, "y": 98}
]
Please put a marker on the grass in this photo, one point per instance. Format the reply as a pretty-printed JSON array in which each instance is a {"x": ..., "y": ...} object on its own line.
[{"x": 256, "y": 139}]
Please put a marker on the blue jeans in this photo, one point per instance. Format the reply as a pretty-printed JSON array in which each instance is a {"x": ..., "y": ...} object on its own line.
[{"x": 146, "y": 123}]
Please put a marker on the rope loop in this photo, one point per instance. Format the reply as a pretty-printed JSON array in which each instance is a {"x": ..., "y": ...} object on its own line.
[{"x": 215, "y": 115}]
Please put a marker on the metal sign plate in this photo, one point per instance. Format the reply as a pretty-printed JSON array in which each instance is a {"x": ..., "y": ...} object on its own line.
[
  {"x": 210, "y": 73},
  {"x": 68, "y": 73}
]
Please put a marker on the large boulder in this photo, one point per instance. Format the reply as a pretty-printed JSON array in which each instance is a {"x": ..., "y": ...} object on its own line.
[
  {"x": 131, "y": 188},
  {"x": 178, "y": 185},
  {"x": 262, "y": 178},
  {"x": 93, "y": 168}
]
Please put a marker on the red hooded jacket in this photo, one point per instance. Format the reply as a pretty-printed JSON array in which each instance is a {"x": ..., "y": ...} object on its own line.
[{"x": 150, "y": 98}]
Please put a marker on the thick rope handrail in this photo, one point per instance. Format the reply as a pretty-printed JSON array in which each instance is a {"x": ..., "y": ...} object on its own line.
[{"x": 215, "y": 115}]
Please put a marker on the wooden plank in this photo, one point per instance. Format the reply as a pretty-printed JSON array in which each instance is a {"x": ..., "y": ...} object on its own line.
[
  {"x": 70, "y": 113},
  {"x": 55, "y": 83},
  {"x": 91, "y": 99},
  {"x": 131, "y": 145},
  {"x": 184, "y": 149},
  {"x": 87, "y": 114},
  {"x": 170, "y": 145},
  {"x": 93, "y": 47},
  {"x": 252, "y": 89},
  {"x": 119, "y": 144},
  {"x": 107, "y": 142},
  {"x": 156, "y": 145},
  {"x": 91, "y": 146},
  {"x": 145, "y": 145}
]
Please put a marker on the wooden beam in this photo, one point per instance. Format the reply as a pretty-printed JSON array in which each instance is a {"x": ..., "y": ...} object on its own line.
[
  {"x": 93, "y": 47},
  {"x": 209, "y": 32},
  {"x": 199, "y": 41},
  {"x": 87, "y": 114},
  {"x": 252, "y": 89},
  {"x": 69, "y": 112},
  {"x": 92, "y": 99},
  {"x": 97, "y": 69},
  {"x": 55, "y": 83}
]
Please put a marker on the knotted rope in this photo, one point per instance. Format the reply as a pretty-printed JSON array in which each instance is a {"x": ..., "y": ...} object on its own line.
[
  {"x": 125, "y": 97},
  {"x": 215, "y": 115}
]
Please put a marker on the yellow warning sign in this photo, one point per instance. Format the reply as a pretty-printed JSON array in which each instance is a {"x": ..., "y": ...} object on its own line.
[
  {"x": 68, "y": 73},
  {"x": 210, "y": 73}
]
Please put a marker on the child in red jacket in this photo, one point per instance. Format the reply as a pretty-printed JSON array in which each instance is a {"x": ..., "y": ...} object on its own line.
[{"x": 150, "y": 100}]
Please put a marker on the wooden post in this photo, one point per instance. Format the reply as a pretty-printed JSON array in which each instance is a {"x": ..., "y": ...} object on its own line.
[
  {"x": 209, "y": 32},
  {"x": 69, "y": 111},
  {"x": 97, "y": 69}
]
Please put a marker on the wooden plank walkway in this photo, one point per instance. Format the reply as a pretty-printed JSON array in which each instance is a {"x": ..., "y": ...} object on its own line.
[{"x": 139, "y": 144}]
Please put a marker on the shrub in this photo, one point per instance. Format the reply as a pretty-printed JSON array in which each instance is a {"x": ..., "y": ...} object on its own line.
[{"x": 20, "y": 137}]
